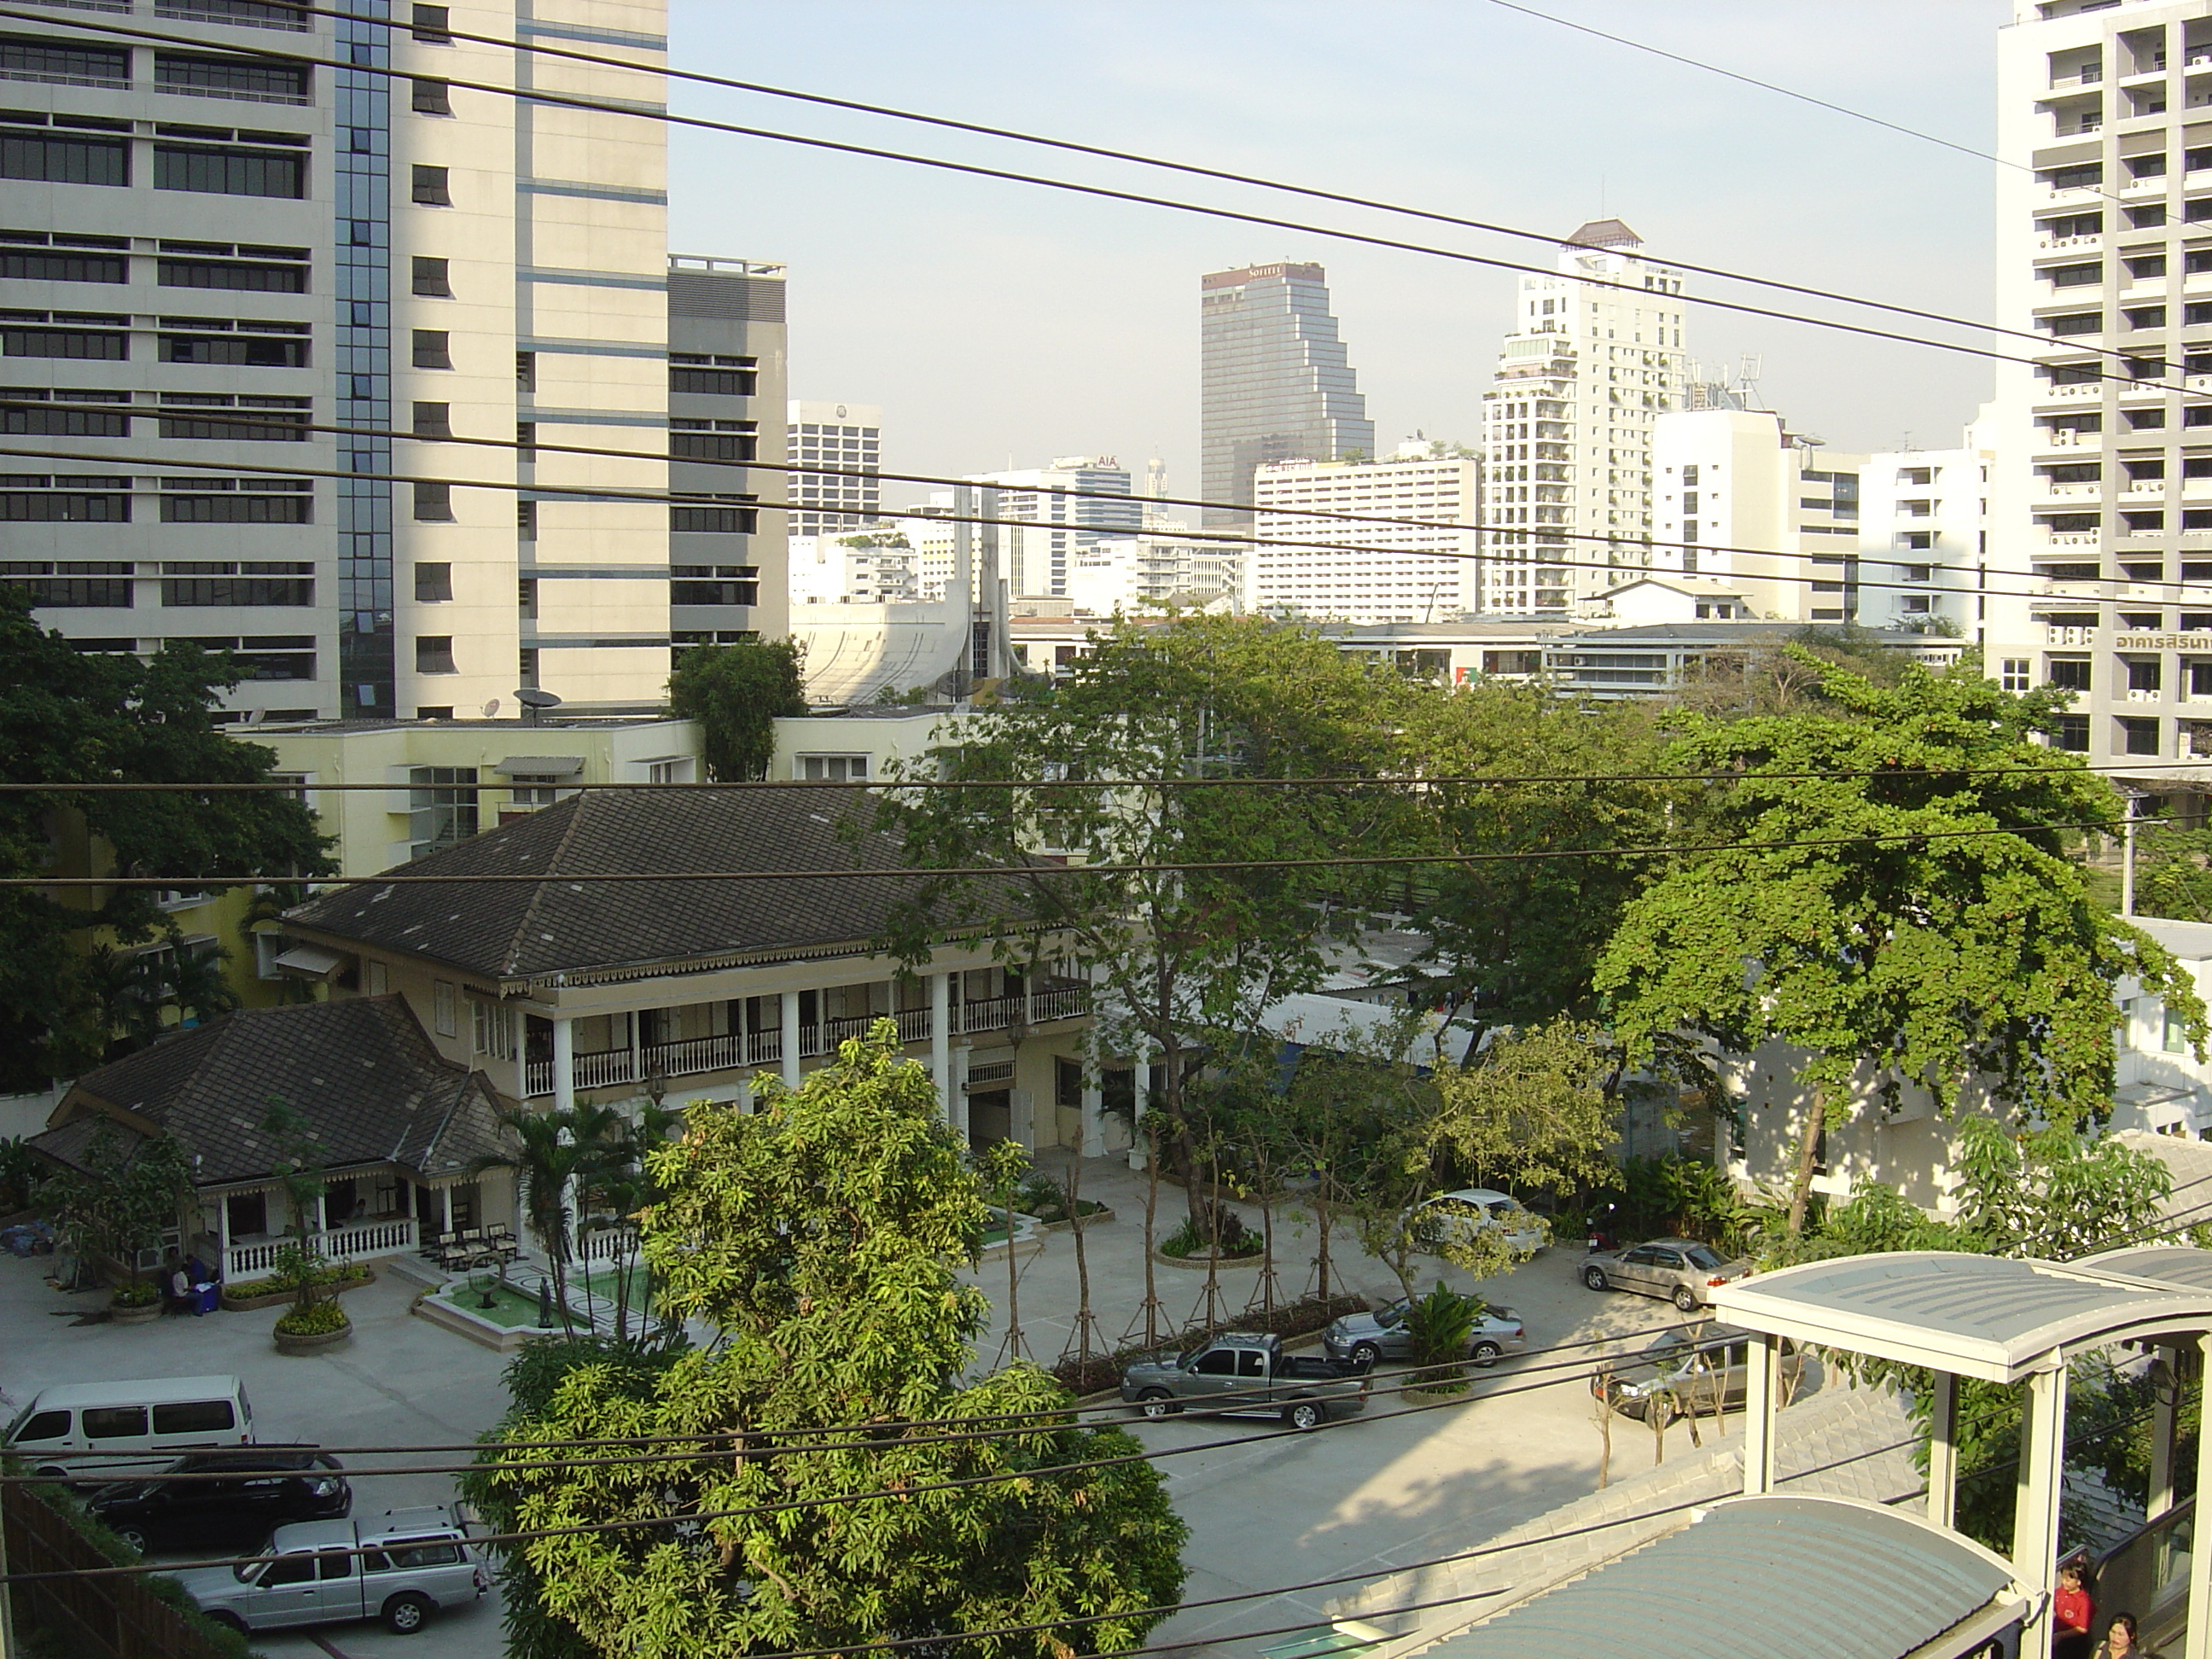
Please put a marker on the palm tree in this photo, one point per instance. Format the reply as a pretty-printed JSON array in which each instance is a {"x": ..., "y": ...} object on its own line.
[{"x": 549, "y": 1151}]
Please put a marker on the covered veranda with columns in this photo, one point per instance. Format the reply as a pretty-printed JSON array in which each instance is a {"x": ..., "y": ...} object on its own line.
[{"x": 2018, "y": 1322}]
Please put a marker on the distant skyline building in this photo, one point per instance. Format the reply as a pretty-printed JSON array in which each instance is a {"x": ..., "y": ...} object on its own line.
[
  {"x": 1275, "y": 383},
  {"x": 1367, "y": 572},
  {"x": 1568, "y": 423},
  {"x": 847, "y": 435},
  {"x": 1036, "y": 560}
]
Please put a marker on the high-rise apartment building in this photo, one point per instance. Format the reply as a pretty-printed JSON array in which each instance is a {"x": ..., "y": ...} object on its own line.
[
  {"x": 1275, "y": 385},
  {"x": 1358, "y": 572},
  {"x": 1568, "y": 423},
  {"x": 1048, "y": 522},
  {"x": 210, "y": 253},
  {"x": 2101, "y": 493},
  {"x": 848, "y": 436},
  {"x": 726, "y": 380}
]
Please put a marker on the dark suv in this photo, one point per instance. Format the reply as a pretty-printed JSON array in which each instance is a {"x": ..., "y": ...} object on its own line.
[{"x": 263, "y": 1488}]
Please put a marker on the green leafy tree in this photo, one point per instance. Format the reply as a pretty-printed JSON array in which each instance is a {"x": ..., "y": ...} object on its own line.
[
  {"x": 549, "y": 1157},
  {"x": 1519, "y": 939},
  {"x": 67, "y": 716},
  {"x": 1531, "y": 1110},
  {"x": 736, "y": 692},
  {"x": 121, "y": 1199},
  {"x": 2174, "y": 872},
  {"x": 1186, "y": 955},
  {"x": 822, "y": 1237},
  {"x": 1911, "y": 954}
]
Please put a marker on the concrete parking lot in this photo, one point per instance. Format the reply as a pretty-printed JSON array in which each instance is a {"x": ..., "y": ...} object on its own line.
[{"x": 1268, "y": 1511}]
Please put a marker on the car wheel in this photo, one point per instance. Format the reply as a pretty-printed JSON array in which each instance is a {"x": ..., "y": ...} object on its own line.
[
  {"x": 1484, "y": 1354},
  {"x": 1365, "y": 1355},
  {"x": 1305, "y": 1415},
  {"x": 1156, "y": 1403},
  {"x": 1685, "y": 1298},
  {"x": 407, "y": 1612},
  {"x": 132, "y": 1536},
  {"x": 1595, "y": 1278},
  {"x": 228, "y": 1620}
]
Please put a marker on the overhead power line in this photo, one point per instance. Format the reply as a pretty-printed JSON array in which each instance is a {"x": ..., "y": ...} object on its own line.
[
  {"x": 1007, "y": 175},
  {"x": 571, "y": 54},
  {"x": 1000, "y": 871},
  {"x": 1513, "y": 556}
]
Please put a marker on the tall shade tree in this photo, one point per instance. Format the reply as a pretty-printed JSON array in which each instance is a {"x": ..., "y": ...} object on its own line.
[
  {"x": 67, "y": 717},
  {"x": 1517, "y": 940},
  {"x": 1909, "y": 955},
  {"x": 550, "y": 1157},
  {"x": 1185, "y": 955},
  {"x": 804, "y": 1502},
  {"x": 736, "y": 692}
]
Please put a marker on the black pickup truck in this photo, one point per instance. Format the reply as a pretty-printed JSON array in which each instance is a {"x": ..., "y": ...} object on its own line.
[{"x": 1238, "y": 1374}]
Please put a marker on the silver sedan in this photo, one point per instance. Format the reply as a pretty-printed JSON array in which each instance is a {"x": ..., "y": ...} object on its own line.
[{"x": 1683, "y": 1270}]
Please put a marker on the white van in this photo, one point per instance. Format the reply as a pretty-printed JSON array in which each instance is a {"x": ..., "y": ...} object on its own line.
[{"x": 92, "y": 1428}]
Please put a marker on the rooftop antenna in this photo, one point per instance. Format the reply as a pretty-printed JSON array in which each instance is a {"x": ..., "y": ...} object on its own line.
[{"x": 1749, "y": 367}]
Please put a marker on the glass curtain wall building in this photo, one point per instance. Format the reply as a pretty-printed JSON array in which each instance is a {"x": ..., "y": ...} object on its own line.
[{"x": 1275, "y": 382}]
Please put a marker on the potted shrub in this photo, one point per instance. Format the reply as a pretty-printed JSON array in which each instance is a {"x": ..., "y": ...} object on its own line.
[
  {"x": 1438, "y": 1326},
  {"x": 134, "y": 1301}
]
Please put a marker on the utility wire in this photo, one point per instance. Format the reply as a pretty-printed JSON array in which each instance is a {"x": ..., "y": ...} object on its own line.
[
  {"x": 1007, "y": 175},
  {"x": 1900, "y": 774},
  {"x": 1357, "y": 861},
  {"x": 1513, "y": 555},
  {"x": 1195, "y": 170}
]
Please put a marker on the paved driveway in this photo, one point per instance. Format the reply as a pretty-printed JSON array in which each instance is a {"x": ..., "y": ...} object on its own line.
[{"x": 400, "y": 1381}]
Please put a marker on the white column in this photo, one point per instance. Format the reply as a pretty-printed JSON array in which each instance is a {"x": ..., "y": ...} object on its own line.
[
  {"x": 2035, "y": 1516},
  {"x": 1943, "y": 1452},
  {"x": 940, "y": 1040},
  {"x": 2197, "y": 1643},
  {"x": 637, "y": 1045},
  {"x": 787, "y": 1005},
  {"x": 222, "y": 1225},
  {"x": 1141, "y": 1088},
  {"x": 564, "y": 1063},
  {"x": 446, "y": 1206},
  {"x": 1759, "y": 1409}
]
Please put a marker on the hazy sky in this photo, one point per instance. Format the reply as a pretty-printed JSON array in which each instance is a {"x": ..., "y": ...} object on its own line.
[{"x": 996, "y": 321}]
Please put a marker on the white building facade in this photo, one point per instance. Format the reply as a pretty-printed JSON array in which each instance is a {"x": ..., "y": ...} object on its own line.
[
  {"x": 392, "y": 254},
  {"x": 2100, "y": 529},
  {"x": 1043, "y": 522},
  {"x": 1570, "y": 420},
  {"x": 1130, "y": 573},
  {"x": 847, "y": 436},
  {"x": 1421, "y": 568}
]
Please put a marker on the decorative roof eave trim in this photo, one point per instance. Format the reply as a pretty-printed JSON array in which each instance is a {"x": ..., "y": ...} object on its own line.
[{"x": 684, "y": 966}]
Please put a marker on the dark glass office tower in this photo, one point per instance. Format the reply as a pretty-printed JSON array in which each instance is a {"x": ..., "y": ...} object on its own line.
[{"x": 1275, "y": 384}]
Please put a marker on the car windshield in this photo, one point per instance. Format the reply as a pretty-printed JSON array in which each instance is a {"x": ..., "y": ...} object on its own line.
[
  {"x": 1389, "y": 1316},
  {"x": 1703, "y": 1258}
]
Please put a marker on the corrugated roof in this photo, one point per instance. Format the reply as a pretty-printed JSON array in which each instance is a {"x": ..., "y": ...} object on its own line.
[
  {"x": 1605, "y": 232},
  {"x": 360, "y": 1070},
  {"x": 1819, "y": 1577},
  {"x": 2182, "y": 1264},
  {"x": 1974, "y": 1316},
  {"x": 524, "y": 929}
]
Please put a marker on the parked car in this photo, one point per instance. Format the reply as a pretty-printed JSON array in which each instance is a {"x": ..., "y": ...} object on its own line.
[
  {"x": 1456, "y": 1216},
  {"x": 1681, "y": 1367},
  {"x": 1364, "y": 1337},
  {"x": 400, "y": 1567},
  {"x": 1246, "y": 1376},
  {"x": 105, "y": 1429},
  {"x": 1682, "y": 1270},
  {"x": 261, "y": 1488}
]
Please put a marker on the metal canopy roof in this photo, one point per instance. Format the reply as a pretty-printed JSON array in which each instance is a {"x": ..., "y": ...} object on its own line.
[
  {"x": 1973, "y": 1315},
  {"x": 2181, "y": 1266},
  {"x": 1822, "y": 1577}
]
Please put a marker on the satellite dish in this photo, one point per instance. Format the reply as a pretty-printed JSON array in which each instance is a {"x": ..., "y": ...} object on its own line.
[
  {"x": 537, "y": 699},
  {"x": 491, "y": 708}
]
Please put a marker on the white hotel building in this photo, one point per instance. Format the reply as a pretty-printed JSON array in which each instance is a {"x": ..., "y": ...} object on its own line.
[
  {"x": 1569, "y": 423},
  {"x": 1420, "y": 569}
]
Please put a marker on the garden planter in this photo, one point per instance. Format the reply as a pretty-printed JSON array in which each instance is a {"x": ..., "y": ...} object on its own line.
[
  {"x": 1202, "y": 1262},
  {"x": 288, "y": 1343},
  {"x": 278, "y": 1298},
  {"x": 145, "y": 1313},
  {"x": 1097, "y": 1218}
]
